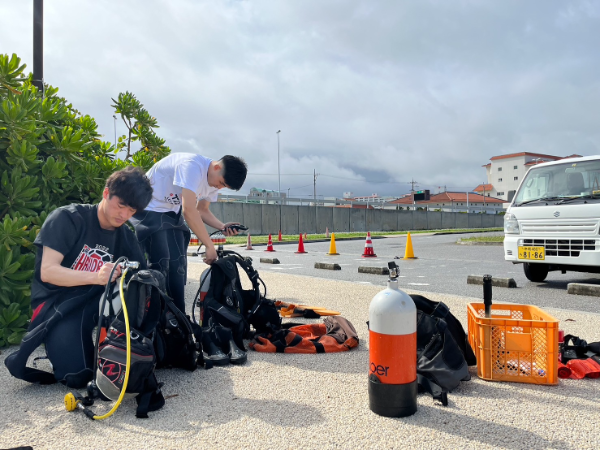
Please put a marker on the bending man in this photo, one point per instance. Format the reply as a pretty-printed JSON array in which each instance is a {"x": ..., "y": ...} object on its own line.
[{"x": 184, "y": 185}]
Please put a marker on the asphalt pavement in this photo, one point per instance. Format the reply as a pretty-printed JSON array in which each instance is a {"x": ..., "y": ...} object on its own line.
[{"x": 442, "y": 266}]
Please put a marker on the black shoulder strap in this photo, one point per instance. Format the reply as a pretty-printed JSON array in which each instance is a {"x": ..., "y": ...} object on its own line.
[
  {"x": 250, "y": 271},
  {"x": 436, "y": 391}
]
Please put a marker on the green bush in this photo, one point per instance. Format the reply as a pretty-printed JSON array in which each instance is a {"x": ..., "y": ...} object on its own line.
[{"x": 51, "y": 155}]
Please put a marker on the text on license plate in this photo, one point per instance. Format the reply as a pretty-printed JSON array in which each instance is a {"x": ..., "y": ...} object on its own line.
[{"x": 532, "y": 253}]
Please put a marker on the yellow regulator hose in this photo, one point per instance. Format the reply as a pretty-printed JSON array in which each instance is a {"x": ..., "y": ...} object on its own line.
[{"x": 128, "y": 332}]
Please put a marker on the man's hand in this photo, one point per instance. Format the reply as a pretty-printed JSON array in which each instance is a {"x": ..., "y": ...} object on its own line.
[
  {"x": 104, "y": 273},
  {"x": 210, "y": 256},
  {"x": 228, "y": 231}
]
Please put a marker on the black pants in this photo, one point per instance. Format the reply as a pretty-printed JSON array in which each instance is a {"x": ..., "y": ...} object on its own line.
[
  {"x": 70, "y": 346},
  {"x": 167, "y": 252}
]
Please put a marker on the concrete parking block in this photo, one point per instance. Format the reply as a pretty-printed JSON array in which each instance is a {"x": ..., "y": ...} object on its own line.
[
  {"x": 327, "y": 266},
  {"x": 269, "y": 260},
  {"x": 374, "y": 270},
  {"x": 583, "y": 289},
  {"x": 498, "y": 282}
]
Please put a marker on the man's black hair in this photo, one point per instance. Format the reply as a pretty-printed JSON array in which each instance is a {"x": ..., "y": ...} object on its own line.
[
  {"x": 234, "y": 171},
  {"x": 132, "y": 186}
]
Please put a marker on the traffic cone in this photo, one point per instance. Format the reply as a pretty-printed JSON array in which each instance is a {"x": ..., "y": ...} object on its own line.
[
  {"x": 279, "y": 238},
  {"x": 301, "y": 245},
  {"x": 327, "y": 232},
  {"x": 305, "y": 235},
  {"x": 249, "y": 243},
  {"x": 409, "y": 254},
  {"x": 369, "y": 253},
  {"x": 270, "y": 245},
  {"x": 332, "y": 249}
]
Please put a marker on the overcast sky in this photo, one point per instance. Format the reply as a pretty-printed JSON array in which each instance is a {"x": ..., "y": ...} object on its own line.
[{"x": 370, "y": 94}]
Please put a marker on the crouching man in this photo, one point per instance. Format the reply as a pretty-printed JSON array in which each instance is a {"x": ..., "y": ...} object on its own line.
[{"x": 76, "y": 250}]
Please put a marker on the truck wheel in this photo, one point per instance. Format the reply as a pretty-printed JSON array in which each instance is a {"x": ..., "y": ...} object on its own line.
[{"x": 535, "y": 272}]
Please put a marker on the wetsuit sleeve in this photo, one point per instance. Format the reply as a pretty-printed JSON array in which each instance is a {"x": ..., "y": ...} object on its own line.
[{"x": 59, "y": 232}]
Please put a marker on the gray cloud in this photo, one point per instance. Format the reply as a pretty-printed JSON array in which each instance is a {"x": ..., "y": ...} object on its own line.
[{"x": 369, "y": 94}]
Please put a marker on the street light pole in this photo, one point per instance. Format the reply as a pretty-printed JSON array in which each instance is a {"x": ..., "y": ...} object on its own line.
[
  {"x": 38, "y": 45},
  {"x": 279, "y": 179}
]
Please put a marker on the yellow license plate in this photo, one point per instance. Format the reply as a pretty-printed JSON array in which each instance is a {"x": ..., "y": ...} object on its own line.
[{"x": 532, "y": 253}]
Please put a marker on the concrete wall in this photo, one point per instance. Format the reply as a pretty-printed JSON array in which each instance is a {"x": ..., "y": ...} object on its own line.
[
  {"x": 434, "y": 220},
  {"x": 448, "y": 220},
  {"x": 307, "y": 221},
  {"x": 405, "y": 220},
  {"x": 289, "y": 219},
  {"x": 265, "y": 219},
  {"x": 341, "y": 220},
  {"x": 420, "y": 220},
  {"x": 270, "y": 219},
  {"x": 251, "y": 217},
  {"x": 357, "y": 220},
  {"x": 462, "y": 220},
  {"x": 324, "y": 219}
]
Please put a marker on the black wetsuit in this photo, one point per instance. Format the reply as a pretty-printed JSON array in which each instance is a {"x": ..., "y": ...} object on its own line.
[
  {"x": 64, "y": 317},
  {"x": 164, "y": 236}
]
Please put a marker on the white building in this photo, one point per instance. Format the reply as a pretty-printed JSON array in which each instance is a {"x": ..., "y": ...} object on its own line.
[{"x": 505, "y": 172}]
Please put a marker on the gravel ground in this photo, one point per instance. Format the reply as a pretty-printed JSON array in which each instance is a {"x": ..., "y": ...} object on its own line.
[{"x": 314, "y": 401}]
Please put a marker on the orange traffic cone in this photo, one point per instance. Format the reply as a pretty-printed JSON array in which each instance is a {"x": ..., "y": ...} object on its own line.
[
  {"x": 279, "y": 238},
  {"x": 369, "y": 253},
  {"x": 332, "y": 249},
  {"x": 305, "y": 235},
  {"x": 249, "y": 243},
  {"x": 326, "y": 232},
  {"x": 270, "y": 245},
  {"x": 409, "y": 254},
  {"x": 301, "y": 245}
]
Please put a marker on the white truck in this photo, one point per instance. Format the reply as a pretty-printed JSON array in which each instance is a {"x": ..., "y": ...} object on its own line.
[{"x": 553, "y": 221}]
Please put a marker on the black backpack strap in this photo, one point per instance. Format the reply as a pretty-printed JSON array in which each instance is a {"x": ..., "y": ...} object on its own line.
[
  {"x": 436, "y": 391},
  {"x": 151, "y": 399}
]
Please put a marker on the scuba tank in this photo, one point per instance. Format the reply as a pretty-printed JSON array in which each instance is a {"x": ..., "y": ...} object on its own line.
[{"x": 393, "y": 382}]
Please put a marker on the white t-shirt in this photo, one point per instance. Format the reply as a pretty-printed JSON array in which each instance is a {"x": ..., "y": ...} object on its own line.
[{"x": 177, "y": 171}]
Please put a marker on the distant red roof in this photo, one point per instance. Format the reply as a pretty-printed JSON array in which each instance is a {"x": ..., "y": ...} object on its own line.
[
  {"x": 484, "y": 187},
  {"x": 533, "y": 163},
  {"x": 445, "y": 197},
  {"x": 536, "y": 155},
  {"x": 355, "y": 205}
]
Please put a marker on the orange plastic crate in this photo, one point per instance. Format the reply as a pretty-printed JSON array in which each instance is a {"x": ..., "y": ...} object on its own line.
[{"x": 518, "y": 343}]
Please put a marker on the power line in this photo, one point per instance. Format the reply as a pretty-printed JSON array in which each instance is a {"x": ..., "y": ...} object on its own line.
[{"x": 458, "y": 188}]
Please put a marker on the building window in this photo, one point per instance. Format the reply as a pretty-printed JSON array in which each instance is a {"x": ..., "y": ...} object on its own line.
[
  {"x": 499, "y": 169},
  {"x": 499, "y": 179},
  {"x": 500, "y": 193},
  {"x": 515, "y": 167},
  {"x": 516, "y": 178}
]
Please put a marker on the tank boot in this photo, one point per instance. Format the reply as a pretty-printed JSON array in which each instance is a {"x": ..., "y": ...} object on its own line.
[
  {"x": 210, "y": 350},
  {"x": 228, "y": 345}
]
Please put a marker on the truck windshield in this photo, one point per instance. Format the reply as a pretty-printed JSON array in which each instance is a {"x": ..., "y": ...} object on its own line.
[{"x": 560, "y": 181}]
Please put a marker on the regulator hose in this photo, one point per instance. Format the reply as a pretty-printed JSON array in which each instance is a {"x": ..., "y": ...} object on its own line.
[{"x": 74, "y": 401}]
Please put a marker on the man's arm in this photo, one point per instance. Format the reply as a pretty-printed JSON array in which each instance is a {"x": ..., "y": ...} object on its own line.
[
  {"x": 52, "y": 272},
  {"x": 194, "y": 217},
  {"x": 209, "y": 218}
]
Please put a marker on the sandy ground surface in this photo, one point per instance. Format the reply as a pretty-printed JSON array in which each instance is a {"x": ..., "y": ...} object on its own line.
[{"x": 314, "y": 401}]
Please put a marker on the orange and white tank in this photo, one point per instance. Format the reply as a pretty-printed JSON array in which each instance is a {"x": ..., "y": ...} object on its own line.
[{"x": 393, "y": 351}]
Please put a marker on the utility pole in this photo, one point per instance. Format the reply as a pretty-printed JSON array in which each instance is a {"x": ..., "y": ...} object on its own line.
[
  {"x": 412, "y": 185},
  {"x": 279, "y": 180},
  {"x": 38, "y": 45},
  {"x": 315, "y": 185}
]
